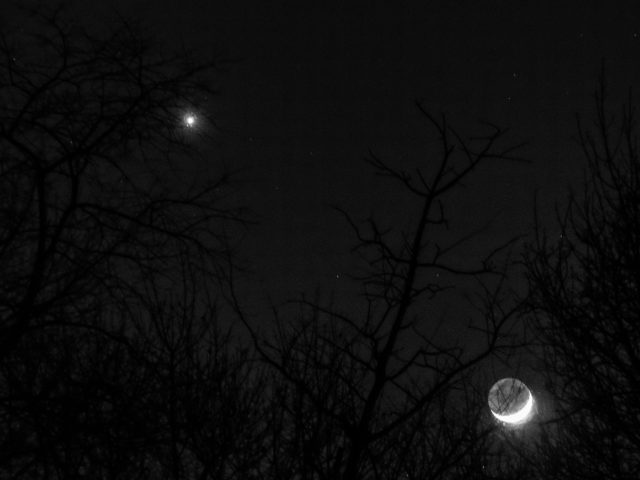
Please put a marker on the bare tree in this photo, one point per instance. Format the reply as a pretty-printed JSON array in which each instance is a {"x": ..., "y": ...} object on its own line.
[
  {"x": 112, "y": 359},
  {"x": 362, "y": 393},
  {"x": 94, "y": 195},
  {"x": 177, "y": 400},
  {"x": 585, "y": 301},
  {"x": 207, "y": 393}
]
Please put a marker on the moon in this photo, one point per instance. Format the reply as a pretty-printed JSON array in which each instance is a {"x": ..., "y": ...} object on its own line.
[{"x": 511, "y": 401}]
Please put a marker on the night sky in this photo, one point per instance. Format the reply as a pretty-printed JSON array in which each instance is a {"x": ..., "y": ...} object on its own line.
[
  {"x": 130, "y": 346},
  {"x": 314, "y": 86}
]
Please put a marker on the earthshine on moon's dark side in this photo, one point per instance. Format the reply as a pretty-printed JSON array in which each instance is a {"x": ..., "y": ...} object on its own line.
[{"x": 511, "y": 401}]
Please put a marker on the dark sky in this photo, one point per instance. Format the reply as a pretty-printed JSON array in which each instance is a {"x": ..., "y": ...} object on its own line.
[{"x": 319, "y": 84}]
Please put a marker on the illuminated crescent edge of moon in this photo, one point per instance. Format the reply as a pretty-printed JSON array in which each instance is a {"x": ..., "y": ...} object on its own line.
[{"x": 519, "y": 416}]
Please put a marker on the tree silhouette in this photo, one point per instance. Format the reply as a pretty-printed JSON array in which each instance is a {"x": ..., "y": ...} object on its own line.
[
  {"x": 584, "y": 298},
  {"x": 375, "y": 394},
  {"x": 113, "y": 360},
  {"x": 90, "y": 130}
]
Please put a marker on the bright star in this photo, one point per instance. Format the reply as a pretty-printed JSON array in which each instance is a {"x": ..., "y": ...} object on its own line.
[{"x": 189, "y": 120}]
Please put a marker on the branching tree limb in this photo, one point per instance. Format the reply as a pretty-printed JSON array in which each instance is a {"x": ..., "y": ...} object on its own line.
[{"x": 364, "y": 380}]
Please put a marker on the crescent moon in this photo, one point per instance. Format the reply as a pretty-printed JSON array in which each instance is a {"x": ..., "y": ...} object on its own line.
[{"x": 519, "y": 416}]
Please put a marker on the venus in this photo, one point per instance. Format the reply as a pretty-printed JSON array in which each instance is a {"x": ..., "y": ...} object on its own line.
[
  {"x": 511, "y": 401},
  {"x": 189, "y": 120}
]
